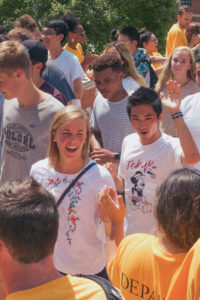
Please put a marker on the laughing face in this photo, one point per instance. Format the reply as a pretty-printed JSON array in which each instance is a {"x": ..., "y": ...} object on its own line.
[
  {"x": 146, "y": 123},
  {"x": 70, "y": 138}
]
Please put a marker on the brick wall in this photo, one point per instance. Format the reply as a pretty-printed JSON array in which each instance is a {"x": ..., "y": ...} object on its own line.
[{"x": 196, "y": 10}]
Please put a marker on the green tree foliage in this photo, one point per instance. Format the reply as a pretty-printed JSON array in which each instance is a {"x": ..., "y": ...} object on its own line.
[{"x": 98, "y": 16}]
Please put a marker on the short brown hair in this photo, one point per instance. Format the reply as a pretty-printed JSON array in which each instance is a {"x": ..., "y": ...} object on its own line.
[
  {"x": 26, "y": 21},
  {"x": 13, "y": 56},
  {"x": 178, "y": 207},
  {"x": 184, "y": 8},
  {"x": 19, "y": 33},
  {"x": 28, "y": 220},
  {"x": 107, "y": 61},
  {"x": 67, "y": 114}
]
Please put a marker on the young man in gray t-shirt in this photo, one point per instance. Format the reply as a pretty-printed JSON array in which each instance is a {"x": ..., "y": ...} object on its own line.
[{"x": 27, "y": 114}]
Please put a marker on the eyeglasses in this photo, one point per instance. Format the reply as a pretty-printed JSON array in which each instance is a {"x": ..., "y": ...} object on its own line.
[
  {"x": 82, "y": 33},
  {"x": 45, "y": 33},
  {"x": 154, "y": 40}
]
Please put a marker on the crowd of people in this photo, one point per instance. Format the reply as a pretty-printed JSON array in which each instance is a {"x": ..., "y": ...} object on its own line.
[{"x": 100, "y": 163}]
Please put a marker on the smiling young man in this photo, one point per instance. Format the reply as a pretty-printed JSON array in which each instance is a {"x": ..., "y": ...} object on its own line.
[
  {"x": 27, "y": 114},
  {"x": 109, "y": 120},
  {"x": 149, "y": 155},
  {"x": 53, "y": 34}
]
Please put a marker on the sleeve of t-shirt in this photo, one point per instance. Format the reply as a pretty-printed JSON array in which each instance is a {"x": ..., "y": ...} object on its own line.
[
  {"x": 113, "y": 268},
  {"x": 93, "y": 119},
  {"x": 76, "y": 70}
]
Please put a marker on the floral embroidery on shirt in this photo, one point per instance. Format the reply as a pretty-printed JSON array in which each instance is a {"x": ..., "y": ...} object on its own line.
[{"x": 73, "y": 200}]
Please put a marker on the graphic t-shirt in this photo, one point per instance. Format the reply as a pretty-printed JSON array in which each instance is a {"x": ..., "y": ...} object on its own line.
[
  {"x": 80, "y": 247},
  {"x": 141, "y": 269},
  {"x": 25, "y": 136},
  {"x": 64, "y": 288},
  {"x": 144, "y": 168}
]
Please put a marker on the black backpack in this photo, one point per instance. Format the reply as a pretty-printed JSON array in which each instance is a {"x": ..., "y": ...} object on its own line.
[{"x": 110, "y": 291}]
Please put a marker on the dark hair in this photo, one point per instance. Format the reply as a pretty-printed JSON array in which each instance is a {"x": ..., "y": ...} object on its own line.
[
  {"x": 71, "y": 20},
  {"x": 145, "y": 95},
  {"x": 28, "y": 220},
  {"x": 59, "y": 26},
  {"x": 192, "y": 29},
  {"x": 3, "y": 37},
  {"x": 178, "y": 207},
  {"x": 114, "y": 35},
  {"x": 107, "y": 61},
  {"x": 197, "y": 53},
  {"x": 144, "y": 37},
  {"x": 3, "y": 29},
  {"x": 131, "y": 32},
  {"x": 184, "y": 8},
  {"x": 26, "y": 21}
]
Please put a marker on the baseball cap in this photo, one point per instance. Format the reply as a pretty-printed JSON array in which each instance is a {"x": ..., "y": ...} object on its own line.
[{"x": 37, "y": 51}]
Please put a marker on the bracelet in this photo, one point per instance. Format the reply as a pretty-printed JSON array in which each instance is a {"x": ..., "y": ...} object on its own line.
[{"x": 176, "y": 115}]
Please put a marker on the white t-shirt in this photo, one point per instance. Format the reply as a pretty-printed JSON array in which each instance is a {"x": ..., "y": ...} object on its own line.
[
  {"x": 70, "y": 66},
  {"x": 111, "y": 119},
  {"x": 190, "y": 107},
  {"x": 129, "y": 84},
  {"x": 144, "y": 168},
  {"x": 81, "y": 243}
]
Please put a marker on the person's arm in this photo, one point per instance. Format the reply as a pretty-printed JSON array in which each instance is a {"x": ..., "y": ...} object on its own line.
[
  {"x": 190, "y": 153},
  {"x": 99, "y": 154},
  {"x": 109, "y": 209},
  {"x": 119, "y": 182},
  {"x": 78, "y": 90}
]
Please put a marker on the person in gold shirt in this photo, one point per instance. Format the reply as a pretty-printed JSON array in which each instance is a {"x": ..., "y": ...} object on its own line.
[
  {"x": 76, "y": 37},
  {"x": 28, "y": 232},
  {"x": 176, "y": 36}
]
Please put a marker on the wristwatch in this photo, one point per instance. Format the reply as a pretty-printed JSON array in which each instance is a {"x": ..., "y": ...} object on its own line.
[{"x": 117, "y": 156}]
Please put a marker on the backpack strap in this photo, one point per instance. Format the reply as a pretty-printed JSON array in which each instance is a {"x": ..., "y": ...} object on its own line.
[
  {"x": 74, "y": 182},
  {"x": 110, "y": 291}
]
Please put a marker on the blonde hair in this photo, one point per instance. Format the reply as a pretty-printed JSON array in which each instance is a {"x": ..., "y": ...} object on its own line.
[
  {"x": 67, "y": 114},
  {"x": 167, "y": 74},
  {"x": 13, "y": 56},
  {"x": 128, "y": 63}
]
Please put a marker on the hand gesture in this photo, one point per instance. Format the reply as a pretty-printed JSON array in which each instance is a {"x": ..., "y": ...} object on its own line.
[
  {"x": 173, "y": 102},
  {"x": 112, "y": 169},
  {"x": 109, "y": 208}
]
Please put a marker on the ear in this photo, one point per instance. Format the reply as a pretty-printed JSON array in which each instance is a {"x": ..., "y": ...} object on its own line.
[
  {"x": 61, "y": 37},
  {"x": 38, "y": 66},
  {"x": 18, "y": 74},
  {"x": 121, "y": 75},
  {"x": 160, "y": 118},
  {"x": 178, "y": 18}
]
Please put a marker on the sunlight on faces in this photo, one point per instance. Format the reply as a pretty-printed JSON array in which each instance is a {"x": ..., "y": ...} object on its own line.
[
  {"x": 185, "y": 19},
  {"x": 152, "y": 44},
  {"x": 78, "y": 35},
  {"x": 180, "y": 64},
  {"x": 70, "y": 138},
  {"x": 146, "y": 123},
  {"x": 8, "y": 84},
  {"x": 108, "y": 82}
]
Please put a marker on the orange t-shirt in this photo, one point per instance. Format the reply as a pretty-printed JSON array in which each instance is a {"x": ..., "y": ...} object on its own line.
[
  {"x": 186, "y": 285},
  {"x": 175, "y": 38},
  {"x": 141, "y": 269},
  {"x": 64, "y": 288},
  {"x": 77, "y": 52}
]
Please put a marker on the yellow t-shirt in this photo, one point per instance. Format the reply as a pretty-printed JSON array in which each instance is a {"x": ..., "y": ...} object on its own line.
[
  {"x": 64, "y": 288},
  {"x": 187, "y": 282},
  {"x": 141, "y": 269},
  {"x": 175, "y": 38},
  {"x": 78, "y": 51},
  {"x": 155, "y": 65}
]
